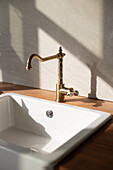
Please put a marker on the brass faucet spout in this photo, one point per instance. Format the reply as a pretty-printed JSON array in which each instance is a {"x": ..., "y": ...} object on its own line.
[{"x": 29, "y": 61}]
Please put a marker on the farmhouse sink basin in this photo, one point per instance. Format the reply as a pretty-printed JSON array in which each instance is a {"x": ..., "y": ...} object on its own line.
[{"x": 35, "y": 134}]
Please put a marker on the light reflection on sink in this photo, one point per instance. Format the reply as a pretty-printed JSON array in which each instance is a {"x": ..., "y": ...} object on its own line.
[{"x": 26, "y": 130}]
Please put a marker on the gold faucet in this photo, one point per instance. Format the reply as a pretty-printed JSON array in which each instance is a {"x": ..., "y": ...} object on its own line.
[{"x": 61, "y": 90}]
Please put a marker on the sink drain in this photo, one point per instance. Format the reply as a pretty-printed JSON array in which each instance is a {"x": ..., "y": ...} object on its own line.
[{"x": 49, "y": 113}]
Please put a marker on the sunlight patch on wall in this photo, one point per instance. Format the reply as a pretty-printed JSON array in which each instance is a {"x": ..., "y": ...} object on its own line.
[
  {"x": 48, "y": 71},
  {"x": 76, "y": 74},
  {"x": 46, "y": 44},
  {"x": 104, "y": 90},
  {"x": 16, "y": 31}
]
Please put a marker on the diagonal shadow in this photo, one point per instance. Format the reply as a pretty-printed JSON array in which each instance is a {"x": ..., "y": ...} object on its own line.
[{"x": 70, "y": 43}]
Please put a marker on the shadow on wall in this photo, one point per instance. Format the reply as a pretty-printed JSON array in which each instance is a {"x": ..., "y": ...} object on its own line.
[
  {"x": 14, "y": 37},
  {"x": 31, "y": 19}
]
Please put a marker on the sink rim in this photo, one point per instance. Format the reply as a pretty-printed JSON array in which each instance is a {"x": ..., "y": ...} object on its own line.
[{"x": 66, "y": 148}]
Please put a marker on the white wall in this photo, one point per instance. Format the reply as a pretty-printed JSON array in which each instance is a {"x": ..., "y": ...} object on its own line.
[{"x": 84, "y": 29}]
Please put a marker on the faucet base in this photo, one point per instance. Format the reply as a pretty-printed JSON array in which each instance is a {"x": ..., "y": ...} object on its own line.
[
  {"x": 59, "y": 96},
  {"x": 62, "y": 91}
]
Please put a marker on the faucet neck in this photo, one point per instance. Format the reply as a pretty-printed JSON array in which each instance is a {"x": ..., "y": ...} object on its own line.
[
  {"x": 60, "y": 71},
  {"x": 60, "y": 85}
]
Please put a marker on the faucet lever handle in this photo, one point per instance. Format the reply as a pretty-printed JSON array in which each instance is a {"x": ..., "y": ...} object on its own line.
[
  {"x": 73, "y": 93},
  {"x": 76, "y": 92}
]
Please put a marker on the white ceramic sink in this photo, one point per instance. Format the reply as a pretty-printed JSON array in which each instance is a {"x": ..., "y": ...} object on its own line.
[{"x": 29, "y": 139}]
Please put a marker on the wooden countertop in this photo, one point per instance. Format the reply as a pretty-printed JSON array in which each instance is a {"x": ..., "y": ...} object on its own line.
[{"x": 96, "y": 153}]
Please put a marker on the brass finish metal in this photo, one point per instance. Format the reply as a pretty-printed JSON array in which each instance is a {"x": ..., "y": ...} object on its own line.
[
  {"x": 61, "y": 90},
  {"x": 57, "y": 56}
]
